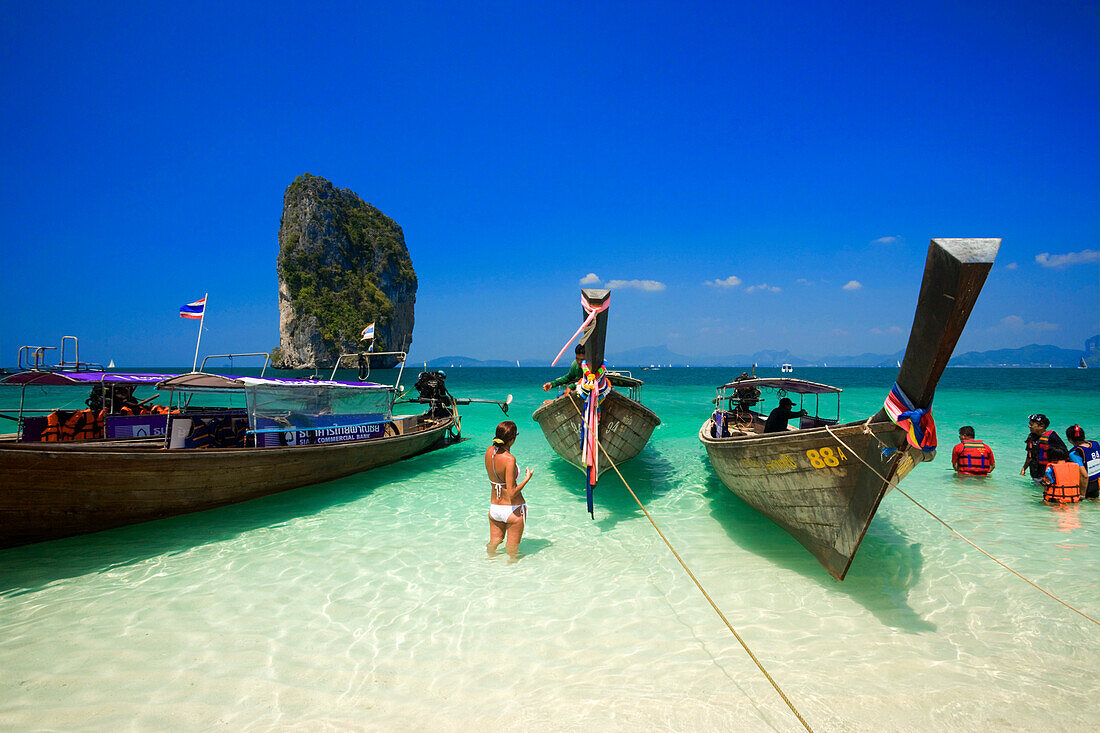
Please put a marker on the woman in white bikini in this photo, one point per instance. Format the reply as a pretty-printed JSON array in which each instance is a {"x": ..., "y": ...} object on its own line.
[{"x": 507, "y": 509}]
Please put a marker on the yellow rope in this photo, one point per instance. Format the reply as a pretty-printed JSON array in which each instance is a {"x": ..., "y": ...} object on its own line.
[
  {"x": 963, "y": 538},
  {"x": 698, "y": 584}
]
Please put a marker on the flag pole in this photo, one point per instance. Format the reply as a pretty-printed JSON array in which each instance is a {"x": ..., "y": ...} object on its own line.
[{"x": 195, "y": 364}]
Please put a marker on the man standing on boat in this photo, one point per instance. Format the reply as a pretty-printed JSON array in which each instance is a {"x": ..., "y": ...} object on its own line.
[
  {"x": 971, "y": 456},
  {"x": 573, "y": 375},
  {"x": 777, "y": 418},
  {"x": 1039, "y": 443}
]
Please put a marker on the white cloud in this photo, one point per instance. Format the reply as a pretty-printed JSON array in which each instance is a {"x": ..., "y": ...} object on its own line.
[
  {"x": 730, "y": 282},
  {"x": 763, "y": 287},
  {"x": 892, "y": 239},
  {"x": 1046, "y": 259},
  {"x": 590, "y": 279},
  {"x": 1015, "y": 323},
  {"x": 889, "y": 329},
  {"x": 802, "y": 281},
  {"x": 1012, "y": 266},
  {"x": 647, "y": 285},
  {"x": 852, "y": 285}
]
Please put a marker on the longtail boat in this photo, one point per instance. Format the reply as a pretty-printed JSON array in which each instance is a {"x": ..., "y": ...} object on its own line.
[
  {"x": 823, "y": 481},
  {"x": 623, "y": 424},
  {"x": 261, "y": 436}
]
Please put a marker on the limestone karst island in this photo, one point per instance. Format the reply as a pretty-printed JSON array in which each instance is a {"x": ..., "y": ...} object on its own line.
[{"x": 342, "y": 264}]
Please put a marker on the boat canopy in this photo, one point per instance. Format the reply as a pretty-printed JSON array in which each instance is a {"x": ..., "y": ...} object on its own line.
[
  {"x": 798, "y": 386},
  {"x": 203, "y": 382},
  {"x": 60, "y": 378}
]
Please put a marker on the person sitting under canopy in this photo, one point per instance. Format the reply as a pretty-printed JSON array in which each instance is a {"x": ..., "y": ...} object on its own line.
[{"x": 777, "y": 418}]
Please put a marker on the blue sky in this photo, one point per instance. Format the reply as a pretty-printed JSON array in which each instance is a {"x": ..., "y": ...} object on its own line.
[{"x": 702, "y": 149}]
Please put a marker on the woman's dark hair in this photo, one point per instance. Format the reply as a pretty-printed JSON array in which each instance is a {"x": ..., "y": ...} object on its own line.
[
  {"x": 1056, "y": 454},
  {"x": 506, "y": 433}
]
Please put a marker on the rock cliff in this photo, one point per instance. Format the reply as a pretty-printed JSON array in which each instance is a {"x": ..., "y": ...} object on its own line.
[{"x": 342, "y": 264}]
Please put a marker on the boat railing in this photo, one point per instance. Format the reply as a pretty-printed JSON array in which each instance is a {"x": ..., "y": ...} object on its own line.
[
  {"x": 39, "y": 354},
  {"x": 364, "y": 364},
  {"x": 231, "y": 357}
]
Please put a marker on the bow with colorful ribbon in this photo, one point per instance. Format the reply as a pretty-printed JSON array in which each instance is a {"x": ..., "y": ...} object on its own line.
[
  {"x": 592, "y": 312},
  {"x": 917, "y": 422},
  {"x": 592, "y": 388}
]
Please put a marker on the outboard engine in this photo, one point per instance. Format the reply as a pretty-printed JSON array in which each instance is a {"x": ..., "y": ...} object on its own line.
[{"x": 433, "y": 391}]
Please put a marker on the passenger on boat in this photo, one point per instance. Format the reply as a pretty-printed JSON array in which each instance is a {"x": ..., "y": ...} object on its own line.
[
  {"x": 777, "y": 418},
  {"x": 1062, "y": 479},
  {"x": 1085, "y": 453},
  {"x": 507, "y": 509},
  {"x": 1038, "y": 444},
  {"x": 971, "y": 456},
  {"x": 572, "y": 376}
]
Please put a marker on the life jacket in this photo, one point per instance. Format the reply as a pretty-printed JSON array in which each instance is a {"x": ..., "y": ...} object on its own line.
[
  {"x": 52, "y": 432},
  {"x": 84, "y": 425},
  {"x": 974, "y": 457},
  {"x": 1090, "y": 454},
  {"x": 1067, "y": 483},
  {"x": 1040, "y": 448},
  {"x": 202, "y": 436}
]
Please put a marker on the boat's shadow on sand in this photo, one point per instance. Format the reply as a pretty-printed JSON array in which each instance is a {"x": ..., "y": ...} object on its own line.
[
  {"x": 32, "y": 567},
  {"x": 883, "y": 573},
  {"x": 649, "y": 474}
]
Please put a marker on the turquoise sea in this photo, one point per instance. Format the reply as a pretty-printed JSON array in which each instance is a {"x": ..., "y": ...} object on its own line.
[{"x": 370, "y": 603}]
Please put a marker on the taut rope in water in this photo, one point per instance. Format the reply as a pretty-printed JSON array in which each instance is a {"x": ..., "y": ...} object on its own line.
[
  {"x": 699, "y": 585},
  {"x": 959, "y": 534}
]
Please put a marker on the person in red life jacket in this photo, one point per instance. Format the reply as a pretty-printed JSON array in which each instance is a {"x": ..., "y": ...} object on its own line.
[
  {"x": 1086, "y": 454},
  {"x": 1039, "y": 443},
  {"x": 1062, "y": 479},
  {"x": 971, "y": 456}
]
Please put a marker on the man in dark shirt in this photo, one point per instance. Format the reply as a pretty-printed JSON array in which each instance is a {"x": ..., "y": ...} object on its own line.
[
  {"x": 777, "y": 418},
  {"x": 1039, "y": 443}
]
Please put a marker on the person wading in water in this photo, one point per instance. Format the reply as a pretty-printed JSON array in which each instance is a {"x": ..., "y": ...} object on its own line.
[{"x": 507, "y": 508}]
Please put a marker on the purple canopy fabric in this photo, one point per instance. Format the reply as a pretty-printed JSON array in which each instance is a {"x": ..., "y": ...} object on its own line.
[
  {"x": 201, "y": 381},
  {"x": 54, "y": 379},
  {"x": 798, "y": 386}
]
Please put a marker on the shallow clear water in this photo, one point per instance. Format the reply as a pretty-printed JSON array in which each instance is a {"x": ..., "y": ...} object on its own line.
[{"x": 370, "y": 602}]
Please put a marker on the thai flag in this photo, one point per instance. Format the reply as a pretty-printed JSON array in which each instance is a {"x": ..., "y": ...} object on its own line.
[
  {"x": 368, "y": 333},
  {"x": 193, "y": 310}
]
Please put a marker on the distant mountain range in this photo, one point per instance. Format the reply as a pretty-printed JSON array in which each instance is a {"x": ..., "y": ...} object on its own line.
[{"x": 1033, "y": 355}]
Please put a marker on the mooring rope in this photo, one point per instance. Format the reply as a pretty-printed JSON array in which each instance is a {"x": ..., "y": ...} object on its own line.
[
  {"x": 699, "y": 585},
  {"x": 959, "y": 534}
]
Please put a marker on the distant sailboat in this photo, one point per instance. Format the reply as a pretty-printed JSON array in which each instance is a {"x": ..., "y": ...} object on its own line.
[
  {"x": 899, "y": 365},
  {"x": 112, "y": 364},
  {"x": 1082, "y": 365},
  {"x": 517, "y": 362}
]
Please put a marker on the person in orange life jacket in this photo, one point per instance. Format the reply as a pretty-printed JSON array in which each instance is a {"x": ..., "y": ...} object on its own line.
[
  {"x": 1062, "y": 479},
  {"x": 1086, "y": 454},
  {"x": 1039, "y": 442},
  {"x": 971, "y": 456}
]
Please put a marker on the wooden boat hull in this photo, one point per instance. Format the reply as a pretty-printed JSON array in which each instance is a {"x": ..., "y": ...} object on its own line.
[
  {"x": 810, "y": 485},
  {"x": 52, "y": 490},
  {"x": 625, "y": 427}
]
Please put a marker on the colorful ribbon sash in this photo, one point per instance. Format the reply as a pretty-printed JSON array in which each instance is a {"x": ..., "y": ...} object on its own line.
[
  {"x": 917, "y": 422},
  {"x": 592, "y": 312},
  {"x": 593, "y": 389}
]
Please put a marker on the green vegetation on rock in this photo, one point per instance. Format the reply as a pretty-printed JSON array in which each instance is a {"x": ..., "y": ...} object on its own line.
[{"x": 339, "y": 265}]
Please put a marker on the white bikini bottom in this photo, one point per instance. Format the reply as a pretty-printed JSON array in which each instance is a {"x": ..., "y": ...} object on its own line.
[{"x": 501, "y": 512}]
